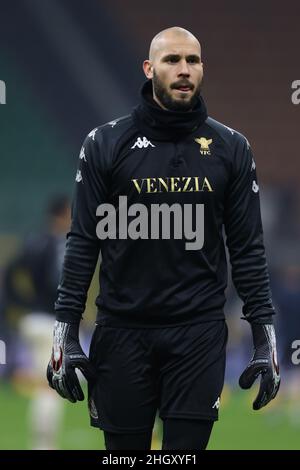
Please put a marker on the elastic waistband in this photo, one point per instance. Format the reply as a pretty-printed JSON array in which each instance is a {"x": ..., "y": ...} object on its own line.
[{"x": 138, "y": 321}]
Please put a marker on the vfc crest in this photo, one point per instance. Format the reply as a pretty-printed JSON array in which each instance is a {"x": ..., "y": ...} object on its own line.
[{"x": 204, "y": 145}]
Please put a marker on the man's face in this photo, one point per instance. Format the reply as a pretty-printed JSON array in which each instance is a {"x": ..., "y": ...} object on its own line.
[{"x": 176, "y": 71}]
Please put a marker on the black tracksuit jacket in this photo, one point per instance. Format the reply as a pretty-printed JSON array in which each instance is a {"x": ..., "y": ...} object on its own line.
[{"x": 154, "y": 156}]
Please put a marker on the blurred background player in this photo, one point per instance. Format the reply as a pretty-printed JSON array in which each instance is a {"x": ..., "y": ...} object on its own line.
[{"x": 30, "y": 282}]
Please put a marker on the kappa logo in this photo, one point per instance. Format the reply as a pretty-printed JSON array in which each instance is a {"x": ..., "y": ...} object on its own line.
[
  {"x": 114, "y": 122},
  {"x": 142, "y": 143},
  {"x": 92, "y": 133},
  {"x": 230, "y": 130},
  {"x": 204, "y": 145},
  {"x": 82, "y": 154},
  {"x": 78, "y": 177},
  {"x": 255, "y": 187},
  {"x": 216, "y": 405}
]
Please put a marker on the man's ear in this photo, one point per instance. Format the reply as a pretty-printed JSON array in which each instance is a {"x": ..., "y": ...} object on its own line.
[{"x": 148, "y": 69}]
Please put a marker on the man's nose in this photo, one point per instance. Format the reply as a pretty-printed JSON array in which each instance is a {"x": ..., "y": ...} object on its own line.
[{"x": 183, "y": 68}]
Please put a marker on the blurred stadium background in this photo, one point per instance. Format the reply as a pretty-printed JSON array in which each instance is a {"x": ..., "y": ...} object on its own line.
[{"x": 69, "y": 66}]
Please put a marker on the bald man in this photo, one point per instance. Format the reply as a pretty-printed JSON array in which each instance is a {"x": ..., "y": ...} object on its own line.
[
  {"x": 154, "y": 190},
  {"x": 173, "y": 89}
]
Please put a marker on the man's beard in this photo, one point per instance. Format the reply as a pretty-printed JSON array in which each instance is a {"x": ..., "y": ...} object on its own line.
[{"x": 170, "y": 103}]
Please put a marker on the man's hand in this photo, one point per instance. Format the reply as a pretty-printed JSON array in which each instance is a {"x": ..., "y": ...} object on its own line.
[
  {"x": 66, "y": 356},
  {"x": 264, "y": 363}
]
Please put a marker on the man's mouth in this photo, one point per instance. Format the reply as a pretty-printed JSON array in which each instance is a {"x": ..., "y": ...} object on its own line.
[{"x": 183, "y": 88}]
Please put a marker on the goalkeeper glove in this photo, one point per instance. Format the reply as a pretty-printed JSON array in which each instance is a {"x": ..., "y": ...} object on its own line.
[
  {"x": 67, "y": 355},
  {"x": 264, "y": 363}
]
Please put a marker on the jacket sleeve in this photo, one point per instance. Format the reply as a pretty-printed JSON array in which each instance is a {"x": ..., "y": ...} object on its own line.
[
  {"x": 82, "y": 245},
  {"x": 243, "y": 228}
]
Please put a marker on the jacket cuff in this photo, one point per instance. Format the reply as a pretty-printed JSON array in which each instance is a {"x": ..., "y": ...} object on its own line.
[
  {"x": 261, "y": 320},
  {"x": 68, "y": 317}
]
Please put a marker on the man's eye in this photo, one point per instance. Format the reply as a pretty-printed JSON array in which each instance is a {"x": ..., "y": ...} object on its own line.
[{"x": 173, "y": 60}]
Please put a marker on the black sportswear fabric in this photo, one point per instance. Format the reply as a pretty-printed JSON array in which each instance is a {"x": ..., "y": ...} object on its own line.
[
  {"x": 177, "y": 370},
  {"x": 154, "y": 156}
]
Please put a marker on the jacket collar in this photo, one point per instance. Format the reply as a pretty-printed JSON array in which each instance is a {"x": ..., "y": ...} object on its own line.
[{"x": 160, "y": 124}]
